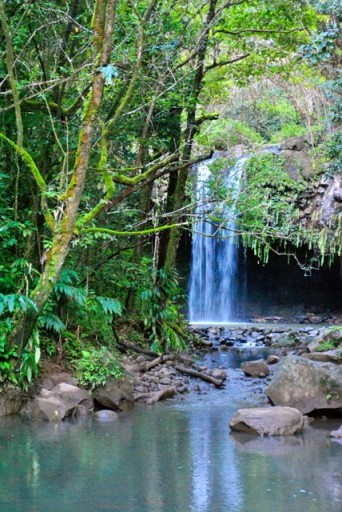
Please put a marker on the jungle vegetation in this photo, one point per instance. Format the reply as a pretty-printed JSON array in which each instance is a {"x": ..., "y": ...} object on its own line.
[{"x": 106, "y": 106}]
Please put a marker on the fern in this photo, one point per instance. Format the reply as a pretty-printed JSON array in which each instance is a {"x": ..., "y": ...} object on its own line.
[
  {"x": 109, "y": 305},
  {"x": 51, "y": 322},
  {"x": 71, "y": 292},
  {"x": 9, "y": 303},
  {"x": 68, "y": 276}
]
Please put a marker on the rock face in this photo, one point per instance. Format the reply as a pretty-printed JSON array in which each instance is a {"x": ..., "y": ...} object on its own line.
[
  {"x": 116, "y": 395},
  {"x": 306, "y": 385},
  {"x": 11, "y": 401},
  {"x": 270, "y": 421},
  {"x": 257, "y": 368}
]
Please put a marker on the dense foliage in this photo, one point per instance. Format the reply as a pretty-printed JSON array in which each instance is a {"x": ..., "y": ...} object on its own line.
[{"x": 105, "y": 106}]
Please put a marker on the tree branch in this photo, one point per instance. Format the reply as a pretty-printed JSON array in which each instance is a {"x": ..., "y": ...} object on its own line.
[
  {"x": 132, "y": 233},
  {"x": 38, "y": 179},
  {"x": 225, "y": 62}
]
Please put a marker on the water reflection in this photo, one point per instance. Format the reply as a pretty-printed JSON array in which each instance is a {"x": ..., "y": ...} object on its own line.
[{"x": 170, "y": 458}]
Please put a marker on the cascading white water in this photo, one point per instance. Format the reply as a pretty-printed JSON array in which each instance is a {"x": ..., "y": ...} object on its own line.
[{"x": 213, "y": 277}]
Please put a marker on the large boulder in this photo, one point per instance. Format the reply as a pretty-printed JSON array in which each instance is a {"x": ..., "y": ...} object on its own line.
[
  {"x": 115, "y": 394},
  {"x": 256, "y": 368},
  {"x": 106, "y": 415},
  {"x": 306, "y": 385},
  {"x": 270, "y": 421},
  {"x": 63, "y": 401},
  {"x": 69, "y": 392},
  {"x": 330, "y": 356},
  {"x": 11, "y": 400},
  {"x": 49, "y": 409}
]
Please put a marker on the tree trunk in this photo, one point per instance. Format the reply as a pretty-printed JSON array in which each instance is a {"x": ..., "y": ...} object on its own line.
[
  {"x": 179, "y": 194},
  {"x": 64, "y": 231}
]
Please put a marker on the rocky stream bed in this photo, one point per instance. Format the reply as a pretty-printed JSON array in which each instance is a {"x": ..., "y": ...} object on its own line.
[{"x": 279, "y": 365}]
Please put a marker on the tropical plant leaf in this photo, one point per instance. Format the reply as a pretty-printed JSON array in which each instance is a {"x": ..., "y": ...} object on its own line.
[
  {"x": 109, "y": 305},
  {"x": 51, "y": 322}
]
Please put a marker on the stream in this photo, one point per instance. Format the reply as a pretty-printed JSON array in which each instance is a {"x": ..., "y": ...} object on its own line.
[{"x": 177, "y": 456}]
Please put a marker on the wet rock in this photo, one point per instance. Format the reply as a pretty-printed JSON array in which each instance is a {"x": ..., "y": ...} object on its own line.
[
  {"x": 11, "y": 400},
  {"x": 106, "y": 415},
  {"x": 52, "y": 408},
  {"x": 337, "y": 433},
  {"x": 271, "y": 421},
  {"x": 182, "y": 389},
  {"x": 165, "y": 381},
  {"x": 219, "y": 374},
  {"x": 306, "y": 385},
  {"x": 313, "y": 344},
  {"x": 79, "y": 411},
  {"x": 272, "y": 359},
  {"x": 116, "y": 395},
  {"x": 333, "y": 335},
  {"x": 257, "y": 368},
  {"x": 330, "y": 356},
  {"x": 64, "y": 400}
]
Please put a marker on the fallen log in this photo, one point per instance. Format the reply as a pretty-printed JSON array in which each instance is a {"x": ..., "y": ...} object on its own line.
[
  {"x": 199, "y": 375},
  {"x": 162, "y": 395},
  {"x": 159, "y": 360},
  {"x": 185, "y": 359},
  {"x": 157, "y": 396},
  {"x": 124, "y": 346}
]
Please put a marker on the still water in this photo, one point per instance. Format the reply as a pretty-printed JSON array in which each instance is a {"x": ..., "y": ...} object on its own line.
[{"x": 173, "y": 457}]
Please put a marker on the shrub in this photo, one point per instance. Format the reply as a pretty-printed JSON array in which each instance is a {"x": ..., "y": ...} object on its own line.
[{"x": 96, "y": 366}]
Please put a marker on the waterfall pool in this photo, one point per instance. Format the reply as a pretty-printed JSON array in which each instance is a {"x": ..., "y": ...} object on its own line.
[{"x": 177, "y": 456}]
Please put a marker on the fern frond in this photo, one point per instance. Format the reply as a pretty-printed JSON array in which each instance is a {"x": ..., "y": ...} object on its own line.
[
  {"x": 61, "y": 289},
  {"x": 109, "y": 305},
  {"x": 51, "y": 322}
]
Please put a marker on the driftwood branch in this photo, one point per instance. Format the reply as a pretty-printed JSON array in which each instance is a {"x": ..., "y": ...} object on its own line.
[
  {"x": 157, "y": 362},
  {"x": 194, "y": 373},
  {"x": 157, "y": 396}
]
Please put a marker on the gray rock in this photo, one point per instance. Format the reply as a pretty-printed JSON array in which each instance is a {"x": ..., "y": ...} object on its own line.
[
  {"x": 271, "y": 421},
  {"x": 257, "y": 368},
  {"x": 69, "y": 392},
  {"x": 306, "y": 385},
  {"x": 165, "y": 381},
  {"x": 219, "y": 374},
  {"x": 333, "y": 335},
  {"x": 272, "y": 359},
  {"x": 106, "y": 415},
  {"x": 337, "y": 433},
  {"x": 79, "y": 411},
  {"x": 313, "y": 345},
  {"x": 116, "y": 395},
  {"x": 330, "y": 356},
  {"x": 11, "y": 400},
  {"x": 49, "y": 409}
]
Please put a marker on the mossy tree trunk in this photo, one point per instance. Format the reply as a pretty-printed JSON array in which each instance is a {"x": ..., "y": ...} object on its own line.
[{"x": 64, "y": 230}]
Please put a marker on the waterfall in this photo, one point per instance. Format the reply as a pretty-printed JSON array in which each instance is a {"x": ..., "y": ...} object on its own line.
[{"x": 213, "y": 292}]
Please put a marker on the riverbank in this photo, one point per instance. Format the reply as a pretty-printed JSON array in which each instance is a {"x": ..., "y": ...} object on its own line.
[{"x": 219, "y": 355}]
